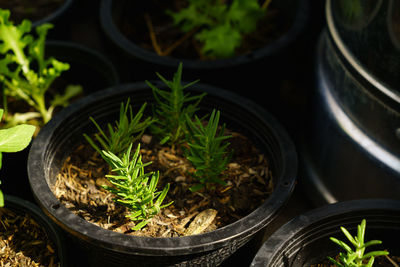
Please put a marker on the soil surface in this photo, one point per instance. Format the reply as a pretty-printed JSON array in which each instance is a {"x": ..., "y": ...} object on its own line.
[
  {"x": 23, "y": 242},
  {"x": 249, "y": 184},
  {"x": 381, "y": 261},
  {"x": 138, "y": 23}
]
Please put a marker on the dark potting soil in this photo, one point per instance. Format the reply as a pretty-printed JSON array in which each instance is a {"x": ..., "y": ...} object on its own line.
[
  {"x": 381, "y": 261},
  {"x": 139, "y": 22},
  {"x": 23, "y": 242},
  {"x": 249, "y": 184}
]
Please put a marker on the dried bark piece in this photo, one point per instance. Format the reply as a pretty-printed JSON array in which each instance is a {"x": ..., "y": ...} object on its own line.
[{"x": 201, "y": 222}]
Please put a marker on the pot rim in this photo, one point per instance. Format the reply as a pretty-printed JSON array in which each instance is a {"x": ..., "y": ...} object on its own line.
[
  {"x": 355, "y": 64},
  {"x": 238, "y": 230},
  {"x": 292, "y": 232},
  {"x": 54, "y": 15},
  {"x": 113, "y": 33},
  {"x": 112, "y": 73}
]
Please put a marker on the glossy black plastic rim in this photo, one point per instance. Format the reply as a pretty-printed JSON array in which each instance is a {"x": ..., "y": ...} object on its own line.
[{"x": 55, "y": 15}]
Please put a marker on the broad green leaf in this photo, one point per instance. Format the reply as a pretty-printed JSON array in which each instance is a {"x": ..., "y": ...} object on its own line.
[
  {"x": 16, "y": 138},
  {"x": 1, "y": 199}
]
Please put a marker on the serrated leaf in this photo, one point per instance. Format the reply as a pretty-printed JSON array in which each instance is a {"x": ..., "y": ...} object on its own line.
[{"x": 221, "y": 41}]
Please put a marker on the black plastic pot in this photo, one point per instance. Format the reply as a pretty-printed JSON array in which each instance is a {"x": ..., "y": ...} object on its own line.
[
  {"x": 20, "y": 206},
  {"x": 305, "y": 239},
  {"x": 107, "y": 248},
  {"x": 88, "y": 68},
  {"x": 243, "y": 74},
  {"x": 352, "y": 144}
]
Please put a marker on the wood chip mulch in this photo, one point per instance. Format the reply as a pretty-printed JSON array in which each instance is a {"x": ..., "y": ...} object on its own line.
[
  {"x": 23, "y": 242},
  {"x": 248, "y": 177}
]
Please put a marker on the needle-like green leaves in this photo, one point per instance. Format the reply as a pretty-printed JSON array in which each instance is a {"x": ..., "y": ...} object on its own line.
[
  {"x": 356, "y": 257},
  {"x": 134, "y": 188},
  {"x": 128, "y": 129},
  {"x": 172, "y": 107},
  {"x": 208, "y": 151}
]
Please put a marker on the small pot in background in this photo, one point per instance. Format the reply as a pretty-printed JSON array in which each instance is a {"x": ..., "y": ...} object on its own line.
[
  {"x": 305, "y": 239},
  {"x": 243, "y": 74}
]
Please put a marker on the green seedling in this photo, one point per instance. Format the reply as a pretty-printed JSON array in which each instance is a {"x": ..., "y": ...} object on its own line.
[
  {"x": 208, "y": 151},
  {"x": 133, "y": 187},
  {"x": 172, "y": 107},
  {"x": 356, "y": 257},
  {"x": 221, "y": 24},
  {"x": 128, "y": 129},
  {"x": 25, "y": 72},
  {"x": 14, "y": 139}
]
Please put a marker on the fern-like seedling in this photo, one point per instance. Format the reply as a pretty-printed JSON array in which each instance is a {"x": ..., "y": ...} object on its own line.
[
  {"x": 172, "y": 107},
  {"x": 356, "y": 257},
  {"x": 221, "y": 24},
  {"x": 25, "y": 72},
  {"x": 208, "y": 151},
  {"x": 128, "y": 129},
  {"x": 134, "y": 188}
]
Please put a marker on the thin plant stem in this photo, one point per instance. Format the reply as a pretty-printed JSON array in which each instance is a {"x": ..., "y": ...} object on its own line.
[
  {"x": 392, "y": 261},
  {"x": 265, "y": 4},
  {"x": 152, "y": 35}
]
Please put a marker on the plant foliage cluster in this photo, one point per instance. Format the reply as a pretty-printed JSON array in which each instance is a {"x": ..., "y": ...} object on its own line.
[
  {"x": 25, "y": 73},
  {"x": 174, "y": 123},
  {"x": 356, "y": 257},
  {"x": 221, "y": 24}
]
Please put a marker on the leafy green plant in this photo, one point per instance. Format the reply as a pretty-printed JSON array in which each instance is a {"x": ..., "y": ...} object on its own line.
[
  {"x": 221, "y": 24},
  {"x": 25, "y": 73},
  {"x": 172, "y": 107},
  {"x": 208, "y": 150},
  {"x": 356, "y": 257},
  {"x": 127, "y": 129},
  {"x": 132, "y": 187},
  {"x": 14, "y": 139}
]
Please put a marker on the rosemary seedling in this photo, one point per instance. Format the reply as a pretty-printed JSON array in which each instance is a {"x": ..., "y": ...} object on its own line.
[
  {"x": 221, "y": 24},
  {"x": 172, "y": 107},
  {"x": 128, "y": 129},
  {"x": 132, "y": 187},
  {"x": 25, "y": 73},
  {"x": 356, "y": 257},
  {"x": 14, "y": 139},
  {"x": 208, "y": 151}
]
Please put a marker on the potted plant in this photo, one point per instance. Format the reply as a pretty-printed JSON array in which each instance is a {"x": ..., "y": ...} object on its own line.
[
  {"x": 307, "y": 239},
  {"x": 145, "y": 33},
  {"x": 61, "y": 136},
  {"x": 27, "y": 236},
  {"x": 32, "y": 95}
]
